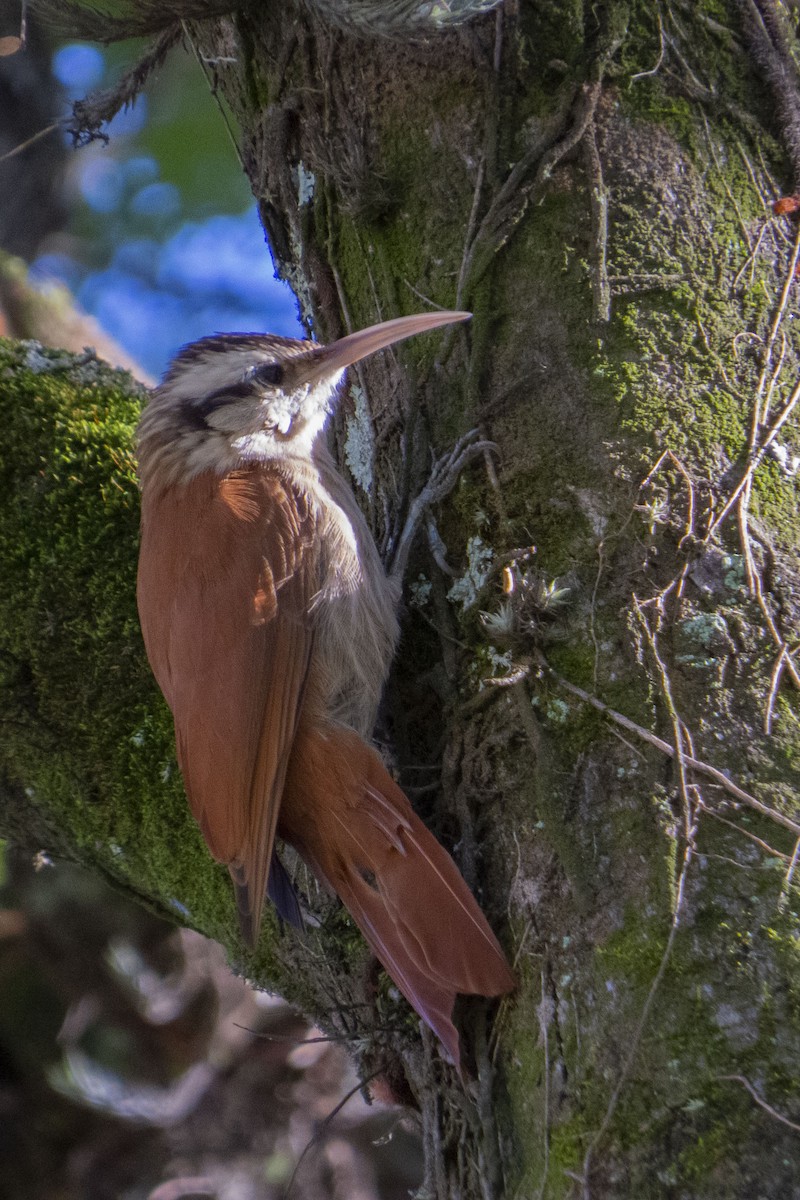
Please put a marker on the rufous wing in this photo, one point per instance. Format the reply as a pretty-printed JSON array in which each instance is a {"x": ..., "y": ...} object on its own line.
[
  {"x": 226, "y": 577},
  {"x": 358, "y": 832}
]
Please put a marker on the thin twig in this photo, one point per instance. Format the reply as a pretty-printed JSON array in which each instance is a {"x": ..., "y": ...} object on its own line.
[
  {"x": 683, "y": 744},
  {"x": 638, "y": 1032},
  {"x": 598, "y": 206},
  {"x": 545, "y": 1015},
  {"x": 323, "y": 1129},
  {"x": 471, "y": 223},
  {"x": 774, "y": 684},
  {"x": 758, "y": 591},
  {"x": 712, "y": 812},
  {"x": 37, "y": 137},
  {"x": 666, "y": 455},
  {"x": 756, "y": 448},
  {"x": 787, "y": 883},
  {"x": 696, "y": 764},
  {"x": 96, "y": 110},
  {"x": 513, "y": 197},
  {"x": 758, "y": 444},
  {"x": 659, "y": 60},
  {"x": 761, "y": 1101},
  {"x": 203, "y": 63},
  {"x": 301, "y": 1041}
]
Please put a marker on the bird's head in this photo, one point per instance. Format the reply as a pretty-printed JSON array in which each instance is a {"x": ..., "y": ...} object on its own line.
[{"x": 234, "y": 398}]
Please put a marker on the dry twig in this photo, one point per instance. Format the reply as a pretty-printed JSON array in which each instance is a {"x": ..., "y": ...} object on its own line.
[
  {"x": 695, "y": 764},
  {"x": 761, "y": 1101}
]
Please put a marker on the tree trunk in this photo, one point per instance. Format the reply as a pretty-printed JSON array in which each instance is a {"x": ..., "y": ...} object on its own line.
[{"x": 595, "y": 703}]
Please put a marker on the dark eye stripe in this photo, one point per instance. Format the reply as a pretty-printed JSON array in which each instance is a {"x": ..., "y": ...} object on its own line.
[
  {"x": 231, "y": 391},
  {"x": 196, "y": 412}
]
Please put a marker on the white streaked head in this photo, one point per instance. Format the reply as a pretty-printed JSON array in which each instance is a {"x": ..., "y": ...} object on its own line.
[
  {"x": 237, "y": 397},
  {"x": 229, "y": 399}
]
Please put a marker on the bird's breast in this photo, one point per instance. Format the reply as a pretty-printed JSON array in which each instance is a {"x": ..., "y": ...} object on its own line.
[{"x": 354, "y": 610}]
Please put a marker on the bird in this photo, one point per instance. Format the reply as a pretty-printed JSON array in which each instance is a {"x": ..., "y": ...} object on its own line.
[{"x": 270, "y": 625}]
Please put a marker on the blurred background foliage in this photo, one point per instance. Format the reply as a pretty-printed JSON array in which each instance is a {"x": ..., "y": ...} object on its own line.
[
  {"x": 135, "y": 1065},
  {"x": 154, "y": 232},
  {"x": 132, "y": 1063}
]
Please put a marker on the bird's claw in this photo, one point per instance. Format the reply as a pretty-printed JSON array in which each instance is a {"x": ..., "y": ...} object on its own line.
[
  {"x": 442, "y": 480},
  {"x": 447, "y": 469}
]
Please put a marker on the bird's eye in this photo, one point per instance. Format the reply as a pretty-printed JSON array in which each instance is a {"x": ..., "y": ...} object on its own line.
[{"x": 270, "y": 373}]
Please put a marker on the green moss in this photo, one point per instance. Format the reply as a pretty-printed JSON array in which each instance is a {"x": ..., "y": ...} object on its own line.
[
  {"x": 775, "y": 502},
  {"x": 256, "y": 86},
  {"x": 527, "y": 1079},
  {"x": 87, "y": 738},
  {"x": 713, "y": 1149},
  {"x": 633, "y": 954}
]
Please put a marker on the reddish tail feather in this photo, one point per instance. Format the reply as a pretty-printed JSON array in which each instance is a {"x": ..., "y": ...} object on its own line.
[{"x": 357, "y": 831}]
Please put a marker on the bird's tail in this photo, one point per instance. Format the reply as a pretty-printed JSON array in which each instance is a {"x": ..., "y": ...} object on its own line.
[
  {"x": 359, "y": 834},
  {"x": 281, "y": 892}
]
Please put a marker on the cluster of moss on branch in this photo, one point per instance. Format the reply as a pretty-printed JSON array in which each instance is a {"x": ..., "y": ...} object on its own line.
[{"x": 86, "y": 756}]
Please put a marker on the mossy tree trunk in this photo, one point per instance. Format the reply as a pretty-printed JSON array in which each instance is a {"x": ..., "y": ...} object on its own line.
[{"x": 596, "y": 697}]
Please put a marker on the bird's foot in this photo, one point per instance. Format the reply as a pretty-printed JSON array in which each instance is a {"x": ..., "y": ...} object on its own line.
[{"x": 442, "y": 480}]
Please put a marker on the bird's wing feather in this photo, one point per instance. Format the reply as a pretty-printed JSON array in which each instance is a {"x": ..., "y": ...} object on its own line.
[{"x": 227, "y": 575}]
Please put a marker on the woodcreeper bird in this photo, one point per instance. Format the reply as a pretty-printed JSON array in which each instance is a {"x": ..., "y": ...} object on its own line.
[{"x": 270, "y": 625}]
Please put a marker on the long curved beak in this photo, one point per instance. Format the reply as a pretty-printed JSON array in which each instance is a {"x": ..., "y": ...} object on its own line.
[{"x": 325, "y": 361}]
